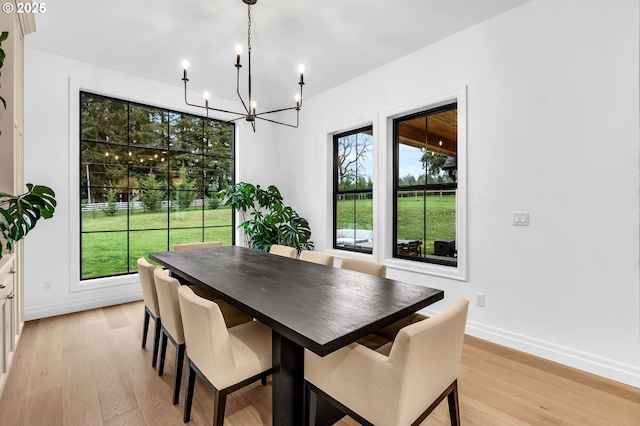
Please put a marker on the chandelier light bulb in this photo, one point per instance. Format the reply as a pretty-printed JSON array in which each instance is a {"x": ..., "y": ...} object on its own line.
[
  {"x": 185, "y": 66},
  {"x": 301, "y": 68},
  {"x": 238, "y": 52},
  {"x": 205, "y": 95},
  {"x": 254, "y": 104}
]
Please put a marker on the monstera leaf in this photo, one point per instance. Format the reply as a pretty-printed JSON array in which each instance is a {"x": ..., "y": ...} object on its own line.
[{"x": 20, "y": 213}]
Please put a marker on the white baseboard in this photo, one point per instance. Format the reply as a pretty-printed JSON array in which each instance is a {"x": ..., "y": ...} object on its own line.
[
  {"x": 50, "y": 310},
  {"x": 594, "y": 364}
]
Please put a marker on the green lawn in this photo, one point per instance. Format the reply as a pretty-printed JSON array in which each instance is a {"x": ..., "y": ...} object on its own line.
[
  {"x": 115, "y": 252},
  {"x": 440, "y": 217}
]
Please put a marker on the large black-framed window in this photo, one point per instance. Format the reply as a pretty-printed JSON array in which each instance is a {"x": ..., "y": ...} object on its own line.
[
  {"x": 425, "y": 186},
  {"x": 149, "y": 179},
  {"x": 353, "y": 190}
]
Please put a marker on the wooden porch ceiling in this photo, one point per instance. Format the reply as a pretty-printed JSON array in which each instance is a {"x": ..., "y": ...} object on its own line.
[{"x": 440, "y": 131}]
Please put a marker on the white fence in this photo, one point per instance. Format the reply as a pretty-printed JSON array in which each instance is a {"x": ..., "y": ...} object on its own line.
[{"x": 134, "y": 205}]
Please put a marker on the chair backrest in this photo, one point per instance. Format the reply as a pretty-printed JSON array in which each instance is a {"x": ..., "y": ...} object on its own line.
[
  {"x": 364, "y": 266},
  {"x": 145, "y": 272},
  {"x": 316, "y": 257},
  {"x": 285, "y": 251},
  {"x": 413, "y": 247},
  {"x": 206, "y": 335},
  {"x": 426, "y": 355},
  {"x": 167, "y": 291},
  {"x": 195, "y": 246}
]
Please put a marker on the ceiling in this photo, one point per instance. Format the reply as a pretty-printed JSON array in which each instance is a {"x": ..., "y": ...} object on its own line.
[{"x": 337, "y": 40}]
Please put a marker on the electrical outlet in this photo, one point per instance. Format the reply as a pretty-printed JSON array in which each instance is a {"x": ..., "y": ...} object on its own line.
[
  {"x": 46, "y": 285},
  {"x": 479, "y": 299}
]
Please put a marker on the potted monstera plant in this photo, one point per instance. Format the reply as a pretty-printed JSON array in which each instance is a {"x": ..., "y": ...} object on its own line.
[
  {"x": 270, "y": 221},
  {"x": 19, "y": 213}
]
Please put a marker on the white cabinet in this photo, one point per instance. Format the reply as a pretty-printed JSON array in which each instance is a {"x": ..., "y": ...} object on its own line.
[
  {"x": 12, "y": 178},
  {"x": 10, "y": 322}
]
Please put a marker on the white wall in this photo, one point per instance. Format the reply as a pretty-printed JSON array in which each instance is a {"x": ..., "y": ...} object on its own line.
[
  {"x": 553, "y": 129},
  {"x": 52, "y": 83}
]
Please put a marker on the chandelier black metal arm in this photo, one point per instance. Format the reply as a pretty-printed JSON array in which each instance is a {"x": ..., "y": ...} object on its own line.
[
  {"x": 207, "y": 107},
  {"x": 238, "y": 66},
  {"x": 250, "y": 114},
  {"x": 297, "y": 108}
]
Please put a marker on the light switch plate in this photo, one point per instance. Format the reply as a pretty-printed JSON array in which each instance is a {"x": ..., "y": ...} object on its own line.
[{"x": 521, "y": 219}]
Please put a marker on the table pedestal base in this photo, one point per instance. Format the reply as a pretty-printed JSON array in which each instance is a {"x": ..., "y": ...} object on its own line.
[{"x": 288, "y": 381}]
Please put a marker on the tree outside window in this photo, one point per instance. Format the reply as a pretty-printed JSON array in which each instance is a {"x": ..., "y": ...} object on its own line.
[{"x": 147, "y": 179}]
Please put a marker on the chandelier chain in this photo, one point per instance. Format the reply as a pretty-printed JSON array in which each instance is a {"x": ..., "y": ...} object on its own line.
[{"x": 249, "y": 30}]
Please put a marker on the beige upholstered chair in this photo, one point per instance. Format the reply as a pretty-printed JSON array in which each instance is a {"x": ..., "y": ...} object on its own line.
[
  {"x": 194, "y": 246},
  {"x": 402, "y": 382},
  {"x": 167, "y": 290},
  {"x": 283, "y": 251},
  {"x": 316, "y": 257},
  {"x": 151, "y": 309},
  {"x": 232, "y": 315},
  {"x": 388, "y": 333},
  {"x": 364, "y": 266},
  {"x": 225, "y": 359}
]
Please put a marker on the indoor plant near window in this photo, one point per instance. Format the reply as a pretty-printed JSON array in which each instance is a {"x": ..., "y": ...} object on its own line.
[
  {"x": 271, "y": 221},
  {"x": 19, "y": 213}
]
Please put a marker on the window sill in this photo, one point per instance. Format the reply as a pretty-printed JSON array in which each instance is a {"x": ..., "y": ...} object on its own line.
[
  {"x": 341, "y": 254},
  {"x": 450, "y": 272},
  {"x": 96, "y": 283}
]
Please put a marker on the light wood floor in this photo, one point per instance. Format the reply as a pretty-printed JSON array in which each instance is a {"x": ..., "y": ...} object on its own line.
[{"x": 88, "y": 368}]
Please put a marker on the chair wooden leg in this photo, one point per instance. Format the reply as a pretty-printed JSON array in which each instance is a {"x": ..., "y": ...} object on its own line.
[
  {"x": 156, "y": 342},
  {"x": 307, "y": 412},
  {"x": 188, "y": 397},
  {"x": 219, "y": 404},
  {"x": 145, "y": 327},
  {"x": 163, "y": 353},
  {"x": 454, "y": 407},
  {"x": 177, "y": 375}
]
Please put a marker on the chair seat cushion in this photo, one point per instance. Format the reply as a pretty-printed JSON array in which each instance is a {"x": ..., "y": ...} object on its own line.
[
  {"x": 232, "y": 315},
  {"x": 391, "y": 331},
  {"x": 373, "y": 341},
  {"x": 251, "y": 350}
]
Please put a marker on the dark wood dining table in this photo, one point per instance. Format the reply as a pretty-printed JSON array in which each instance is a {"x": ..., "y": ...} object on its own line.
[{"x": 317, "y": 307}]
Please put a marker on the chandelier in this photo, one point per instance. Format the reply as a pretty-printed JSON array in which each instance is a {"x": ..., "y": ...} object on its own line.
[{"x": 251, "y": 114}]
